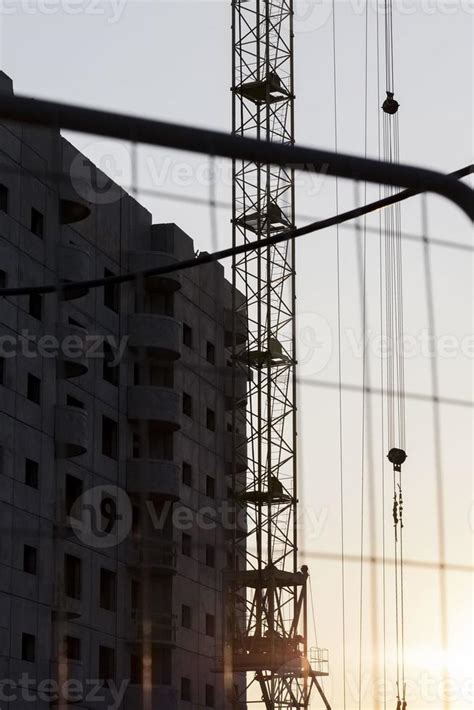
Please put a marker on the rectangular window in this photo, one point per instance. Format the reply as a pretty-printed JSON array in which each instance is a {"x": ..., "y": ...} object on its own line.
[
  {"x": 72, "y": 576},
  {"x": 186, "y": 689},
  {"x": 73, "y": 491},
  {"x": 161, "y": 665},
  {"x": 3, "y": 198},
  {"x": 109, "y": 438},
  {"x": 210, "y": 486},
  {"x": 35, "y": 305},
  {"x": 33, "y": 388},
  {"x": 72, "y": 648},
  {"x": 187, "y": 404},
  {"x": 37, "y": 223},
  {"x": 106, "y": 664},
  {"x": 187, "y": 474},
  {"x": 161, "y": 443},
  {"x": 31, "y": 473},
  {"x": 135, "y": 597},
  {"x": 136, "y": 521},
  {"x": 136, "y": 448},
  {"x": 210, "y": 700},
  {"x": 2, "y": 370},
  {"x": 185, "y": 616},
  {"x": 187, "y": 335},
  {"x": 136, "y": 669},
  {"x": 111, "y": 293},
  {"x": 107, "y": 590},
  {"x": 210, "y": 556},
  {"x": 210, "y": 625},
  {"x": 186, "y": 545},
  {"x": 110, "y": 372},
  {"x": 29, "y": 559},
  {"x": 136, "y": 373},
  {"x": 210, "y": 419},
  {"x": 28, "y": 647},
  {"x": 211, "y": 353},
  {"x": 3, "y": 279}
]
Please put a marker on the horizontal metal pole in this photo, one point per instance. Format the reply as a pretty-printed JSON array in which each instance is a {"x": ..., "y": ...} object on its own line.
[{"x": 197, "y": 140}]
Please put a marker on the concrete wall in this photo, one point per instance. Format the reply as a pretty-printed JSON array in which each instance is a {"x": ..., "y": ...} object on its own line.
[{"x": 60, "y": 439}]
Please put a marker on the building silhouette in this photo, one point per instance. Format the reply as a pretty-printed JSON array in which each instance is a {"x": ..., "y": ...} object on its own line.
[{"x": 115, "y": 444}]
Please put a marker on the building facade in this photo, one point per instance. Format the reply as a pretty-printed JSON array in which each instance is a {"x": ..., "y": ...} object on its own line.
[{"x": 115, "y": 445}]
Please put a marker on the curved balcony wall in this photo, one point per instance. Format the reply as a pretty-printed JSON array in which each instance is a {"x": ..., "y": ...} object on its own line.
[
  {"x": 74, "y": 200},
  {"x": 147, "y": 259},
  {"x": 156, "y": 554},
  {"x": 240, "y": 452},
  {"x": 72, "y": 210},
  {"x": 163, "y": 628},
  {"x": 162, "y": 696},
  {"x": 72, "y": 361},
  {"x": 70, "y": 432},
  {"x": 158, "y": 404},
  {"x": 152, "y": 477},
  {"x": 240, "y": 329},
  {"x": 162, "y": 335},
  {"x": 73, "y": 265},
  {"x": 240, "y": 388}
]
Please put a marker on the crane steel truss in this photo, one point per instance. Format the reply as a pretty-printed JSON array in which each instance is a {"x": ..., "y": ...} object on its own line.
[{"x": 265, "y": 629}]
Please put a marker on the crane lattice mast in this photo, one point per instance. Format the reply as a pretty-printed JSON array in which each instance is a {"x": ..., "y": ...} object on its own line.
[{"x": 265, "y": 625}]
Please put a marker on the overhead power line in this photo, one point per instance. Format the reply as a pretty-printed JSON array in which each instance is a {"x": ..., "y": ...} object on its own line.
[
  {"x": 215, "y": 143},
  {"x": 208, "y": 258}
]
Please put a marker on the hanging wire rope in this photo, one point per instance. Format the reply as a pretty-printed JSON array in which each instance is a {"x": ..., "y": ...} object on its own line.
[
  {"x": 438, "y": 452},
  {"x": 339, "y": 351},
  {"x": 363, "y": 278},
  {"x": 394, "y": 328},
  {"x": 382, "y": 403}
]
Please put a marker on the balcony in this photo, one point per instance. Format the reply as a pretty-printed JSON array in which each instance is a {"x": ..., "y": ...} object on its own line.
[
  {"x": 72, "y": 361},
  {"x": 72, "y": 210},
  {"x": 156, "y": 553},
  {"x": 241, "y": 378},
  {"x": 163, "y": 627},
  {"x": 162, "y": 696},
  {"x": 147, "y": 259},
  {"x": 159, "y": 404},
  {"x": 74, "y": 199},
  {"x": 73, "y": 265},
  {"x": 240, "y": 452},
  {"x": 152, "y": 477},
  {"x": 161, "y": 335},
  {"x": 241, "y": 333},
  {"x": 70, "y": 432}
]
